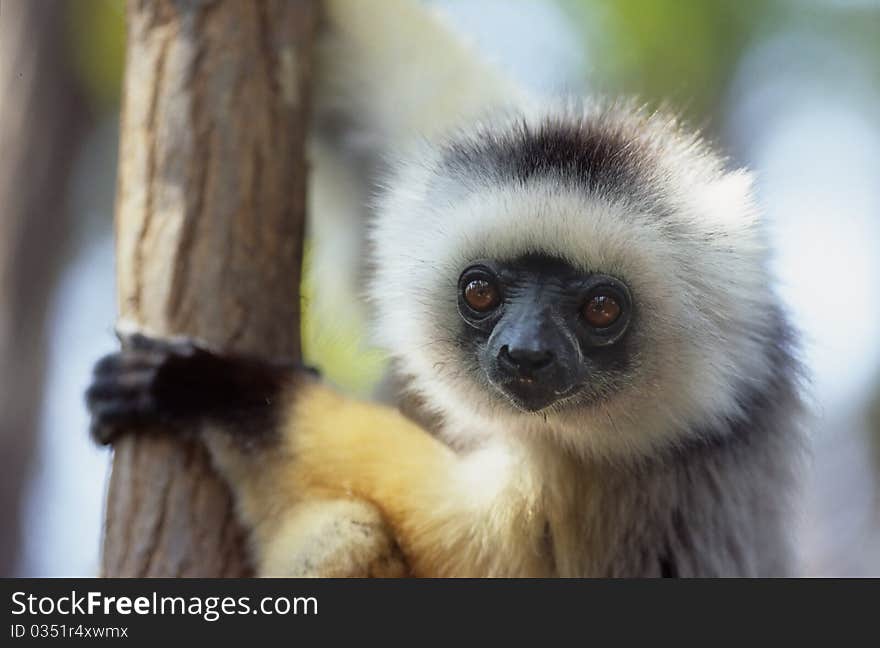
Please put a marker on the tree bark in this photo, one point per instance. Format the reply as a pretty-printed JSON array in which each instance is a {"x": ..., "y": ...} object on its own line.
[
  {"x": 42, "y": 116},
  {"x": 209, "y": 217}
]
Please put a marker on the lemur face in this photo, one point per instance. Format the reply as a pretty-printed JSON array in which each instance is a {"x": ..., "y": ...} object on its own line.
[
  {"x": 543, "y": 332},
  {"x": 591, "y": 277}
]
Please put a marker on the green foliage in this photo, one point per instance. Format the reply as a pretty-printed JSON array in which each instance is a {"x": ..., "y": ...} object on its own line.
[
  {"x": 676, "y": 50},
  {"x": 336, "y": 343},
  {"x": 97, "y": 40},
  {"x": 685, "y": 51}
]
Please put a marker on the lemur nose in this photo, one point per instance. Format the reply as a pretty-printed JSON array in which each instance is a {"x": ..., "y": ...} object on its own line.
[{"x": 525, "y": 362}]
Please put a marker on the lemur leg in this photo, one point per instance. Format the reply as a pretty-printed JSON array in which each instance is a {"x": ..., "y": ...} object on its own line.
[
  {"x": 237, "y": 402},
  {"x": 332, "y": 538},
  {"x": 452, "y": 515}
]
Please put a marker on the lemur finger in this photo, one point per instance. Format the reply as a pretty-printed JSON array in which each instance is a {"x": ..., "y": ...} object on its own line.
[
  {"x": 177, "y": 346},
  {"x": 108, "y": 364},
  {"x": 126, "y": 360},
  {"x": 121, "y": 394},
  {"x": 128, "y": 382},
  {"x": 136, "y": 408},
  {"x": 113, "y": 414},
  {"x": 141, "y": 342},
  {"x": 104, "y": 434}
]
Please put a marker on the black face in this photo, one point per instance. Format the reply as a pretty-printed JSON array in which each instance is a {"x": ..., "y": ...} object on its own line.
[{"x": 542, "y": 330}]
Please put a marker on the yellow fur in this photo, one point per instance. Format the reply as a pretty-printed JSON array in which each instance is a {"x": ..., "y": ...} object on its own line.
[
  {"x": 449, "y": 519},
  {"x": 331, "y": 539},
  {"x": 451, "y": 515}
]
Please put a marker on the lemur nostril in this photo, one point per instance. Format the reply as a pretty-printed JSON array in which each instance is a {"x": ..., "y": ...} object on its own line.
[{"x": 525, "y": 360}]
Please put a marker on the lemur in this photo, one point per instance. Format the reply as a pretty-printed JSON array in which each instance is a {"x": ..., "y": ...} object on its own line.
[{"x": 577, "y": 293}]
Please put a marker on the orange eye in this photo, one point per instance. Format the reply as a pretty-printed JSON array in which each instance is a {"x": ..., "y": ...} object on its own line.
[
  {"x": 481, "y": 295},
  {"x": 601, "y": 311}
]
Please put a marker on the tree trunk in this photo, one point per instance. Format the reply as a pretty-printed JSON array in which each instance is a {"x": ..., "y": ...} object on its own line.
[
  {"x": 42, "y": 116},
  {"x": 209, "y": 219}
]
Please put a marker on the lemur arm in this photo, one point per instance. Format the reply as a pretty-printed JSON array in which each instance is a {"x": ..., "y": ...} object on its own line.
[
  {"x": 294, "y": 452},
  {"x": 401, "y": 72}
]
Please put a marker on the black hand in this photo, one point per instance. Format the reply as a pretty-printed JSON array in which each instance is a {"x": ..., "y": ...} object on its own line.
[{"x": 174, "y": 382}]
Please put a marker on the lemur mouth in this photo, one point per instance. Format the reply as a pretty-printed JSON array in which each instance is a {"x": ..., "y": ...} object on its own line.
[{"x": 532, "y": 396}]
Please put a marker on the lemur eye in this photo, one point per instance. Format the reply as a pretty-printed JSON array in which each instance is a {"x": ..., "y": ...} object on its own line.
[
  {"x": 601, "y": 310},
  {"x": 482, "y": 295}
]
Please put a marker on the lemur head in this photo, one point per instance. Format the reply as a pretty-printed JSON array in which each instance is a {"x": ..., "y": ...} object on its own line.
[{"x": 593, "y": 276}]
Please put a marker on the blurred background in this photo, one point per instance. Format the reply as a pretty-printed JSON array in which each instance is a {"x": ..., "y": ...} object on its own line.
[{"x": 789, "y": 88}]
